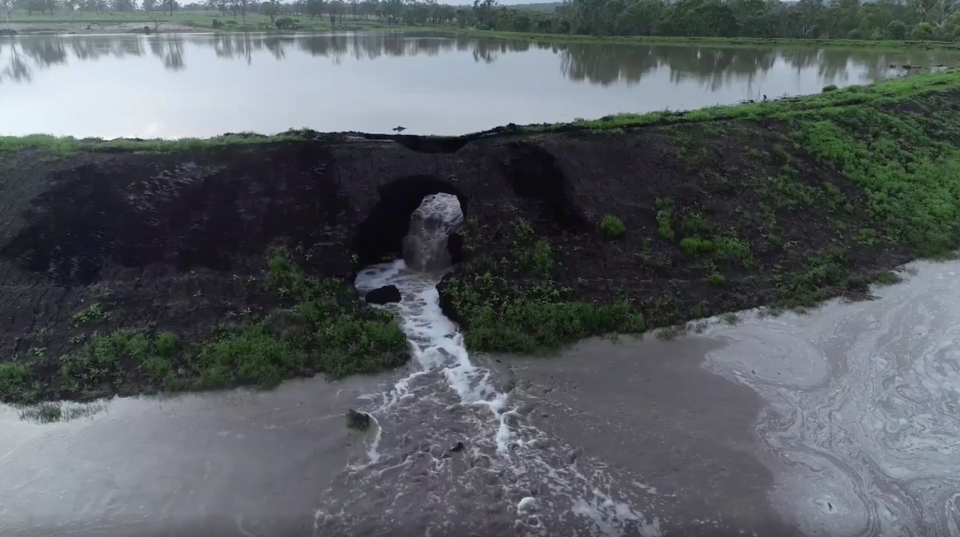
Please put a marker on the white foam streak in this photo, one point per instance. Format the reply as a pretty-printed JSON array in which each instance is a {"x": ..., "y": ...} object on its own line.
[
  {"x": 436, "y": 342},
  {"x": 372, "y": 452},
  {"x": 438, "y": 348}
]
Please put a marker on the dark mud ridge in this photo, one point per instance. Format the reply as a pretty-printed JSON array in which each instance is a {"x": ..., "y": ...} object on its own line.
[{"x": 129, "y": 271}]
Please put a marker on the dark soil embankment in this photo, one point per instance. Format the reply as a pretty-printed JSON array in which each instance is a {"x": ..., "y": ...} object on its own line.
[{"x": 136, "y": 269}]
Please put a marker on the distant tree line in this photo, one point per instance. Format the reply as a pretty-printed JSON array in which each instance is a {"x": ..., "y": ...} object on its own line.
[
  {"x": 814, "y": 19},
  {"x": 831, "y": 19},
  {"x": 51, "y": 7}
]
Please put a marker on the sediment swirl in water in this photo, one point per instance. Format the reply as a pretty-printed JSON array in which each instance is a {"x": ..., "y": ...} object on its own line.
[{"x": 863, "y": 432}]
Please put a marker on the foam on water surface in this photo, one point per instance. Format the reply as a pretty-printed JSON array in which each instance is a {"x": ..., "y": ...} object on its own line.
[{"x": 513, "y": 464}]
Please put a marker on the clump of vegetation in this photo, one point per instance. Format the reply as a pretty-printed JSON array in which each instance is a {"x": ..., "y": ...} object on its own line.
[
  {"x": 696, "y": 246},
  {"x": 14, "y": 381},
  {"x": 98, "y": 370},
  {"x": 93, "y": 314},
  {"x": 532, "y": 254},
  {"x": 286, "y": 23},
  {"x": 695, "y": 224},
  {"x": 612, "y": 227},
  {"x": 793, "y": 194},
  {"x": 665, "y": 208},
  {"x": 732, "y": 248},
  {"x": 670, "y": 333},
  {"x": 829, "y": 88},
  {"x": 325, "y": 330},
  {"x": 51, "y": 412},
  {"x": 717, "y": 280},
  {"x": 908, "y": 177},
  {"x": 167, "y": 344},
  {"x": 504, "y": 315},
  {"x": 46, "y": 412}
]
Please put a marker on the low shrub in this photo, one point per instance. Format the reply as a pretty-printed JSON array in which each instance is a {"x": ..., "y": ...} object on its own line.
[{"x": 612, "y": 227}]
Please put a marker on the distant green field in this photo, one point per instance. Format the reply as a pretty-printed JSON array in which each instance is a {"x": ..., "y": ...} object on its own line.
[
  {"x": 546, "y": 7},
  {"x": 712, "y": 41},
  {"x": 115, "y": 17},
  {"x": 198, "y": 19}
]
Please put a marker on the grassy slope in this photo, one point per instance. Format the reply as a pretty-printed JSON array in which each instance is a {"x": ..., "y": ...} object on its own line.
[
  {"x": 822, "y": 195},
  {"x": 885, "y": 178},
  {"x": 322, "y": 329},
  {"x": 545, "y": 7}
]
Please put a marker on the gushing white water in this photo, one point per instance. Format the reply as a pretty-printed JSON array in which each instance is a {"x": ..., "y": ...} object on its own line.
[
  {"x": 436, "y": 342},
  {"x": 425, "y": 246},
  {"x": 438, "y": 347}
]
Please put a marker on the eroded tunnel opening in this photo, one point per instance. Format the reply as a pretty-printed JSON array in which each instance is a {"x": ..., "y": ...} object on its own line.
[
  {"x": 429, "y": 248},
  {"x": 381, "y": 236},
  {"x": 534, "y": 175},
  {"x": 426, "y": 246}
]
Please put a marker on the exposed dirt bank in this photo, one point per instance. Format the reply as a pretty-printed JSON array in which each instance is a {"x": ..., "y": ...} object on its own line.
[{"x": 660, "y": 218}]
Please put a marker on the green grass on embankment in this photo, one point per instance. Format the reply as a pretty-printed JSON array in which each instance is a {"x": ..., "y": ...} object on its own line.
[
  {"x": 65, "y": 145},
  {"x": 811, "y": 198},
  {"x": 882, "y": 94},
  {"x": 871, "y": 173},
  {"x": 326, "y": 329}
]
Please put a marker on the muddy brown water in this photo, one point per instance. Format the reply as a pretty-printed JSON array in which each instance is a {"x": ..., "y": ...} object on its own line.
[
  {"x": 175, "y": 85},
  {"x": 840, "y": 422}
]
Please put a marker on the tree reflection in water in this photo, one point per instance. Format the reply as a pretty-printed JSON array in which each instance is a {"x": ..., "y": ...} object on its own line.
[{"x": 603, "y": 64}]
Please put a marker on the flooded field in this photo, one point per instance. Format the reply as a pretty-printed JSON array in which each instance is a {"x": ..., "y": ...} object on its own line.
[
  {"x": 177, "y": 85},
  {"x": 840, "y": 422}
]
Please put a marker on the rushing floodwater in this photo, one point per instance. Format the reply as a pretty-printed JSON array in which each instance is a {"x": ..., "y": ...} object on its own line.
[
  {"x": 202, "y": 85},
  {"x": 843, "y": 422}
]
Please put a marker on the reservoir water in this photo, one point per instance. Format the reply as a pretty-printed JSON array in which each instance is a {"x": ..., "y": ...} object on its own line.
[{"x": 177, "y": 85}]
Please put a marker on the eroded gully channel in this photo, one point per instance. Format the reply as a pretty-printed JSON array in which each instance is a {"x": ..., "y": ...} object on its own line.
[{"x": 842, "y": 422}]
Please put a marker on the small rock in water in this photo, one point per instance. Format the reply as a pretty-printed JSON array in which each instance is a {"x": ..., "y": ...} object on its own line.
[
  {"x": 539, "y": 443},
  {"x": 457, "y": 447},
  {"x": 527, "y": 504},
  {"x": 359, "y": 421},
  {"x": 383, "y": 295}
]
